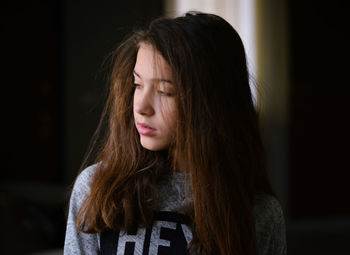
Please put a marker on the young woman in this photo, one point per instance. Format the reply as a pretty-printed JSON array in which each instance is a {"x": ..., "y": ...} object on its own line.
[{"x": 180, "y": 168}]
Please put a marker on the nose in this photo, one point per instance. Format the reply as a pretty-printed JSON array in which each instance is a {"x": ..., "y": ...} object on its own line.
[{"x": 143, "y": 103}]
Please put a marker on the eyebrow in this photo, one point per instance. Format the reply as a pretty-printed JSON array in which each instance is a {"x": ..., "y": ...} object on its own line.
[{"x": 155, "y": 79}]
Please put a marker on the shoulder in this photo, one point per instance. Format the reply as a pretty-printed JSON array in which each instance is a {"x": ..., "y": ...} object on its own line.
[
  {"x": 83, "y": 181},
  {"x": 81, "y": 188},
  {"x": 77, "y": 242},
  {"x": 267, "y": 208},
  {"x": 270, "y": 225}
]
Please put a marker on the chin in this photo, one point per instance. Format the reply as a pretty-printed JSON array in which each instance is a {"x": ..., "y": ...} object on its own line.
[{"x": 153, "y": 145}]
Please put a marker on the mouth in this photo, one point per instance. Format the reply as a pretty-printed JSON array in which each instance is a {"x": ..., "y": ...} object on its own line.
[{"x": 144, "y": 129}]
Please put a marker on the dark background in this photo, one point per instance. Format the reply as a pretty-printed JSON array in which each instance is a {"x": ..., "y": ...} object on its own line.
[{"x": 53, "y": 91}]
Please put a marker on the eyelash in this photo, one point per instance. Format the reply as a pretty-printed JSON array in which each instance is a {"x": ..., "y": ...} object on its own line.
[
  {"x": 161, "y": 92},
  {"x": 136, "y": 85}
]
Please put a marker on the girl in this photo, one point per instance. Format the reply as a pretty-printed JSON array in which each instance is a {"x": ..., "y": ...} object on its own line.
[{"x": 180, "y": 168}]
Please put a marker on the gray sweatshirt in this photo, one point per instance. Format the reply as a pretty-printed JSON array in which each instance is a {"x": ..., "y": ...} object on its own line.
[{"x": 168, "y": 233}]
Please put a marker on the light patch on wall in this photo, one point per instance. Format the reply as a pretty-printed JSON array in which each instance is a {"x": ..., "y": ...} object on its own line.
[{"x": 239, "y": 13}]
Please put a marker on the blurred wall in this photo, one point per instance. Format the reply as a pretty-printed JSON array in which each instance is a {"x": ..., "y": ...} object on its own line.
[
  {"x": 91, "y": 30},
  {"x": 52, "y": 97},
  {"x": 302, "y": 62},
  {"x": 319, "y": 131}
]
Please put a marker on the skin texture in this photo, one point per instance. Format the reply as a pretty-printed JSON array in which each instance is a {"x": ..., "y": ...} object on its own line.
[{"x": 154, "y": 102}]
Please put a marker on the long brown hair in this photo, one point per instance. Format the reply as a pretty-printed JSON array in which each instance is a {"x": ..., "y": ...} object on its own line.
[{"x": 217, "y": 139}]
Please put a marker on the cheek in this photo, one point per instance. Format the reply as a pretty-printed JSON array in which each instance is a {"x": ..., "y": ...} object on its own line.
[
  {"x": 170, "y": 117},
  {"x": 134, "y": 102}
]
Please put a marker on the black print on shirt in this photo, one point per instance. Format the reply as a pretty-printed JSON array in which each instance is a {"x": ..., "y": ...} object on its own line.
[{"x": 168, "y": 235}]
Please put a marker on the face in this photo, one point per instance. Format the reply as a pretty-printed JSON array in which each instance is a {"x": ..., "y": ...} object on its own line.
[{"x": 154, "y": 101}]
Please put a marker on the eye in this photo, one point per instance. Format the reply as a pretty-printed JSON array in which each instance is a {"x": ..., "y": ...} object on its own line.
[
  {"x": 137, "y": 86},
  {"x": 164, "y": 93}
]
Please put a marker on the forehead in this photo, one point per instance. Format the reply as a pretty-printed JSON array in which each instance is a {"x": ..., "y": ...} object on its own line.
[{"x": 150, "y": 64}]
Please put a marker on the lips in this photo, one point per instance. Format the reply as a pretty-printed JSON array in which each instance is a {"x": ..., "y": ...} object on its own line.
[{"x": 144, "y": 129}]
